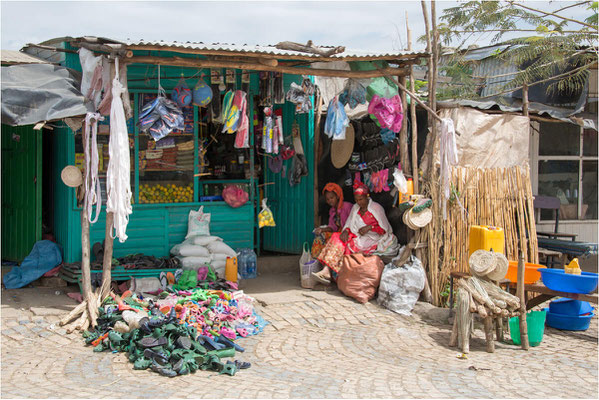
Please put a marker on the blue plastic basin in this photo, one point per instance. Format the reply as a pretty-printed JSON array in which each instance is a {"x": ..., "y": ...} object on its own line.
[
  {"x": 558, "y": 280},
  {"x": 568, "y": 322},
  {"x": 570, "y": 307}
]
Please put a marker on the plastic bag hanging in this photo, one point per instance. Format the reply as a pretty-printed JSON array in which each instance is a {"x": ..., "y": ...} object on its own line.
[
  {"x": 336, "y": 121},
  {"x": 202, "y": 94},
  {"x": 181, "y": 94},
  {"x": 265, "y": 217},
  {"x": 118, "y": 174},
  {"x": 354, "y": 93}
]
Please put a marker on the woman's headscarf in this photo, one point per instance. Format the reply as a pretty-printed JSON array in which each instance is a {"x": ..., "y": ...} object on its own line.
[
  {"x": 333, "y": 187},
  {"x": 361, "y": 188}
]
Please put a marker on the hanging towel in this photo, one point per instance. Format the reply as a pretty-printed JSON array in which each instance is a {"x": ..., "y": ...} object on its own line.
[
  {"x": 118, "y": 175},
  {"x": 448, "y": 152}
]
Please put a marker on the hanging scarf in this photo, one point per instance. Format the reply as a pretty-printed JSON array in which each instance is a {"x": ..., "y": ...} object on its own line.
[
  {"x": 93, "y": 191},
  {"x": 449, "y": 157},
  {"x": 118, "y": 175}
]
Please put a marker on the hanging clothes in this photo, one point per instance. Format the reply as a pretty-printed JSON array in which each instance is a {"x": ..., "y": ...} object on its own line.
[
  {"x": 242, "y": 139},
  {"x": 387, "y": 112},
  {"x": 93, "y": 191},
  {"x": 448, "y": 152},
  {"x": 118, "y": 174}
]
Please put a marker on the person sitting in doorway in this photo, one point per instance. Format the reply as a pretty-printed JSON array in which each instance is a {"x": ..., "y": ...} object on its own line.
[
  {"x": 338, "y": 214},
  {"x": 367, "y": 231}
]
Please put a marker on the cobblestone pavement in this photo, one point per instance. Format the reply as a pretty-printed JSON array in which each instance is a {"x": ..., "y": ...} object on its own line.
[{"x": 318, "y": 345}]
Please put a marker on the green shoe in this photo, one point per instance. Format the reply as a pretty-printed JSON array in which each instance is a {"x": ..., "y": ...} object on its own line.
[{"x": 142, "y": 363}]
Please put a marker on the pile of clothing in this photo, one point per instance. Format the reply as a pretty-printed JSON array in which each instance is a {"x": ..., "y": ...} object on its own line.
[
  {"x": 176, "y": 332},
  {"x": 185, "y": 155}
]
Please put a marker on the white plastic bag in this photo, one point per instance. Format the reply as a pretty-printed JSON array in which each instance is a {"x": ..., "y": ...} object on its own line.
[
  {"x": 400, "y": 287},
  {"x": 399, "y": 181},
  {"x": 198, "y": 223},
  {"x": 308, "y": 265}
]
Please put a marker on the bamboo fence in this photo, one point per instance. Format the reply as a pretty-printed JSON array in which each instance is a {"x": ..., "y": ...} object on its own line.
[{"x": 495, "y": 196}]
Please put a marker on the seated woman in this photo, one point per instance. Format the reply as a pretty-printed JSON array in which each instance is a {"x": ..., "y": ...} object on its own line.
[
  {"x": 338, "y": 214},
  {"x": 367, "y": 231}
]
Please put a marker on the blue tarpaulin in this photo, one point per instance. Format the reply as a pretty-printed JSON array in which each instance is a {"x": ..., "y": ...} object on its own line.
[{"x": 44, "y": 256}]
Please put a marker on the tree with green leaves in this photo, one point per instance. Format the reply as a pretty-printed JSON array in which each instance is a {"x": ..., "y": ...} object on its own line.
[{"x": 554, "y": 46}]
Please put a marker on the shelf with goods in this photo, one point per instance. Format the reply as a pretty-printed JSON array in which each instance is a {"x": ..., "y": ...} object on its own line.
[{"x": 166, "y": 166}]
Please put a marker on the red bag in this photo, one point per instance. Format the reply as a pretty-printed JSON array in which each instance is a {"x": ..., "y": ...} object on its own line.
[
  {"x": 360, "y": 276},
  {"x": 235, "y": 196}
]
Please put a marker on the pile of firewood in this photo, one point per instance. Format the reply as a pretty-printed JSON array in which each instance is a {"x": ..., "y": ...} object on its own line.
[{"x": 490, "y": 302}]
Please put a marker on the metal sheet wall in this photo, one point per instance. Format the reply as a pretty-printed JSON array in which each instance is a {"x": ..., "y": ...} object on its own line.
[
  {"x": 292, "y": 207},
  {"x": 21, "y": 191}
]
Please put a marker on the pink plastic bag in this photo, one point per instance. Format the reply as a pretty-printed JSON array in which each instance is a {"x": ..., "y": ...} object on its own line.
[
  {"x": 388, "y": 112},
  {"x": 235, "y": 196}
]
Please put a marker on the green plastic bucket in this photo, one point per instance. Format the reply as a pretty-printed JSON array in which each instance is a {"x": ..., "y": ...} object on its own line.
[{"x": 535, "y": 324}]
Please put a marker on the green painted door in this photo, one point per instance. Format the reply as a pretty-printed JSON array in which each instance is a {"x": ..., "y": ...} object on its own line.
[
  {"x": 292, "y": 206},
  {"x": 21, "y": 191}
]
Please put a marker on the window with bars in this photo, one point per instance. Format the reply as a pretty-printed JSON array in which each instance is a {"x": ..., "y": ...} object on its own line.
[{"x": 567, "y": 169}]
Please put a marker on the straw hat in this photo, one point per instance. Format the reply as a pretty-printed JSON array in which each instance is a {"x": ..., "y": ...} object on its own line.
[
  {"x": 417, "y": 220},
  {"x": 341, "y": 149},
  {"x": 501, "y": 267},
  {"x": 482, "y": 262},
  {"x": 71, "y": 176}
]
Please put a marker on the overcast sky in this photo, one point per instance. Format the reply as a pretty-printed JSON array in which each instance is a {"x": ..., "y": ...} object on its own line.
[{"x": 371, "y": 25}]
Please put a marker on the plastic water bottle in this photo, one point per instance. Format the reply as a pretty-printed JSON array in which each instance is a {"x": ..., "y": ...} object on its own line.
[
  {"x": 251, "y": 264},
  {"x": 242, "y": 263}
]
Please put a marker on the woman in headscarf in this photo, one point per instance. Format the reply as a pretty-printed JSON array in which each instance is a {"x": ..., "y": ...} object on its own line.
[
  {"x": 338, "y": 214},
  {"x": 367, "y": 231}
]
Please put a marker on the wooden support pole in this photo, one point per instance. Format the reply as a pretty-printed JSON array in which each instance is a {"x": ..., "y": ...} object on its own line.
[
  {"x": 107, "y": 259},
  {"x": 317, "y": 155},
  {"x": 403, "y": 133},
  {"x": 488, "y": 325},
  {"x": 194, "y": 63},
  {"x": 520, "y": 294},
  {"x": 415, "y": 174},
  {"x": 525, "y": 100},
  {"x": 499, "y": 328},
  {"x": 432, "y": 96},
  {"x": 431, "y": 70}
]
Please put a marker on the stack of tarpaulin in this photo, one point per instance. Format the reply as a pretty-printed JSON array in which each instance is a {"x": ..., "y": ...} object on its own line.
[{"x": 189, "y": 325}]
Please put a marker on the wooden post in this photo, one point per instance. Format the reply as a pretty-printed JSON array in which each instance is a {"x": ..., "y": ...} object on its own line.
[
  {"x": 488, "y": 324},
  {"x": 107, "y": 260},
  {"x": 317, "y": 155},
  {"x": 403, "y": 133},
  {"x": 415, "y": 174},
  {"x": 427, "y": 157},
  {"x": 520, "y": 295},
  {"x": 108, "y": 240},
  {"x": 433, "y": 86},
  {"x": 525, "y": 100},
  {"x": 499, "y": 328}
]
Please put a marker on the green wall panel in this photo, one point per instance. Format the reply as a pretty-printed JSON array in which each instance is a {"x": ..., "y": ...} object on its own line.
[
  {"x": 292, "y": 207},
  {"x": 21, "y": 191},
  {"x": 154, "y": 230}
]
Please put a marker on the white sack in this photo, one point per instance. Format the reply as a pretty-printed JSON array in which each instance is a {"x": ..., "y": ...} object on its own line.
[
  {"x": 221, "y": 248},
  {"x": 187, "y": 250},
  {"x": 194, "y": 261},
  {"x": 205, "y": 240}
]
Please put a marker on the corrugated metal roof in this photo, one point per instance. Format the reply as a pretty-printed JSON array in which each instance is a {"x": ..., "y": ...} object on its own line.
[
  {"x": 16, "y": 57},
  {"x": 269, "y": 49}
]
